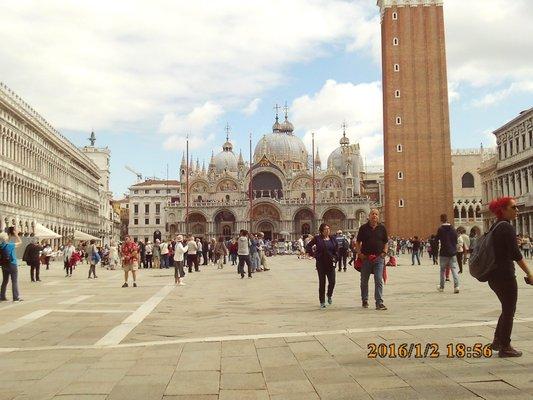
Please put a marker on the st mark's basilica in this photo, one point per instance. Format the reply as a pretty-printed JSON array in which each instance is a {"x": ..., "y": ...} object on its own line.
[{"x": 281, "y": 189}]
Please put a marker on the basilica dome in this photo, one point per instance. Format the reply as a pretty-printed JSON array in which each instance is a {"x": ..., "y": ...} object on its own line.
[
  {"x": 282, "y": 146},
  {"x": 346, "y": 158},
  {"x": 226, "y": 159}
]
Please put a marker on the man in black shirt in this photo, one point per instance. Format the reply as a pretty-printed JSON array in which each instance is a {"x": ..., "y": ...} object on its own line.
[
  {"x": 447, "y": 236},
  {"x": 416, "y": 250},
  {"x": 371, "y": 247}
]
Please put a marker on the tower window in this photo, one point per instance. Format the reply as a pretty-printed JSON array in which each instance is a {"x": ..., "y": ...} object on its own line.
[
  {"x": 395, "y": 42},
  {"x": 397, "y": 94},
  {"x": 398, "y": 120},
  {"x": 400, "y": 175},
  {"x": 399, "y": 148},
  {"x": 395, "y": 15},
  {"x": 396, "y": 67},
  {"x": 401, "y": 203}
]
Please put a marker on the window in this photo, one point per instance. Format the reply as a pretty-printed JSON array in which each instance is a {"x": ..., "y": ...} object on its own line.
[
  {"x": 467, "y": 181},
  {"x": 157, "y": 191},
  {"x": 227, "y": 197},
  {"x": 396, "y": 67},
  {"x": 517, "y": 147},
  {"x": 135, "y": 221},
  {"x": 397, "y": 94},
  {"x": 147, "y": 221},
  {"x": 168, "y": 191},
  {"x": 395, "y": 15},
  {"x": 303, "y": 196},
  {"x": 400, "y": 175},
  {"x": 157, "y": 221},
  {"x": 157, "y": 208},
  {"x": 398, "y": 120},
  {"x": 524, "y": 141},
  {"x": 395, "y": 42},
  {"x": 135, "y": 238},
  {"x": 136, "y": 209},
  {"x": 401, "y": 203},
  {"x": 399, "y": 148},
  {"x": 146, "y": 191},
  {"x": 135, "y": 192},
  {"x": 146, "y": 208}
]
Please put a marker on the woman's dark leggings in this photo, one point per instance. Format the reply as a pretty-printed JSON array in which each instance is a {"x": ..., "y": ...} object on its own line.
[
  {"x": 323, "y": 273},
  {"x": 507, "y": 292}
]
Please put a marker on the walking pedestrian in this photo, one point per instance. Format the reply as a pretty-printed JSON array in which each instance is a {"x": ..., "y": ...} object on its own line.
[
  {"x": 164, "y": 254},
  {"x": 447, "y": 237},
  {"x": 205, "y": 251},
  {"x": 130, "y": 260},
  {"x": 502, "y": 280},
  {"x": 113, "y": 256},
  {"x": 192, "y": 256},
  {"x": 31, "y": 257},
  {"x": 47, "y": 254},
  {"x": 179, "y": 258},
  {"x": 343, "y": 246},
  {"x": 220, "y": 250},
  {"x": 148, "y": 255},
  {"x": 68, "y": 250},
  {"x": 156, "y": 254},
  {"x": 416, "y": 251},
  {"x": 262, "y": 252},
  {"x": 372, "y": 242},
  {"x": 324, "y": 249},
  {"x": 94, "y": 258},
  {"x": 8, "y": 258},
  {"x": 243, "y": 251}
]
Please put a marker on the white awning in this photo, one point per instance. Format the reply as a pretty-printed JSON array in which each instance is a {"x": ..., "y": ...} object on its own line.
[
  {"x": 42, "y": 232},
  {"x": 79, "y": 235}
]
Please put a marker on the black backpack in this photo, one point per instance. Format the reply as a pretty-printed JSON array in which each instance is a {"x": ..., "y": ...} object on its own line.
[{"x": 4, "y": 256}]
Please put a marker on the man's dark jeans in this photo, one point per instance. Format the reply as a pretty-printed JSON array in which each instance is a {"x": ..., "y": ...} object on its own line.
[
  {"x": 35, "y": 268},
  {"x": 10, "y": 272},
  {"x": 323, "y": 273},
  {"x": 242, "y": 260}
]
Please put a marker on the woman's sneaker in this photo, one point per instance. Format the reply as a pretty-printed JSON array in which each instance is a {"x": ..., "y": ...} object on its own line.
[
  {"x": 125, "y": 284},
  {"x": 322, "y": 305},
  {"x": 381, "y": 307},
  {"x": 330, "y": 300}
]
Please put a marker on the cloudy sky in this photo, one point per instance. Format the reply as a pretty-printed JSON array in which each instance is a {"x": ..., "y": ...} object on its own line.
[{"x": 142, "y": 74}]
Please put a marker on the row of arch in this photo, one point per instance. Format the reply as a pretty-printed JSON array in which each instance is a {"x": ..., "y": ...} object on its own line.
[{"x": 470, "y": 212}]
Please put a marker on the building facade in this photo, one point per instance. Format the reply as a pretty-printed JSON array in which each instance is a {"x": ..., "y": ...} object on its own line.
[
  {"x": 274, "y": 194},
  {"x": 418, "y": 170},
  {"x": 146, "y": 207},
  {"x": 510, "y": 171},
  {"x": 101, "y": 157},
  {"x": 467, "y": 187},
  {"x": 44, "y": 178}
]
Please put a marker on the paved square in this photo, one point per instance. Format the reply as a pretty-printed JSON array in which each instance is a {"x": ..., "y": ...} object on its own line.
[{"x": 221, "y": 337}]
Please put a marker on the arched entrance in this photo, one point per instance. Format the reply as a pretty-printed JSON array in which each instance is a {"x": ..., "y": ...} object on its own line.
[
  {"x": 225, "y": 224},
  {"x": 266, "y": 184},
  {"x": 303, "y": 222},
  {"x": 266, "y": 218},
  {"x": 335, "y": 219},
  {"x": 267, "y": 228},
  {"x": 197, "y": 224}
]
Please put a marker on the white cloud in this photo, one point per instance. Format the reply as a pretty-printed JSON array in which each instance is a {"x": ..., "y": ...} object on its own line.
[
  {"x": 496, "y": 97},
  {"x": 197, "y": 120},
  {"x": 122, "y": 65},
  {"x": 324, "y": 112},
  {"x": 251, "y": 108},
  {"x": 489, "y": 45}
]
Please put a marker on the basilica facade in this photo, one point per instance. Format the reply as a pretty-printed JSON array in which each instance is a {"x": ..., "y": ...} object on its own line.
[{"x": 274, "y": 194}]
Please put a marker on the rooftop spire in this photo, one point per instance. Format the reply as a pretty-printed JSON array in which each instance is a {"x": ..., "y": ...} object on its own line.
[
  {"x": 286, "y": 109},
  {"x": 183, "y": 161},
  {"x": 92, "y": 139},
  {"x": 344, "y": 140},
  {"x": 227, "y": 129}
]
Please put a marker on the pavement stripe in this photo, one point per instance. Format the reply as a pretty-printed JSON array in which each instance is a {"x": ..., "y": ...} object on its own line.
[
  {"x": 24, "y": 320},
  {"x": 255, "y": 337},
  {"x": 18, "y": 304},
  {"x": 117, "y": 334},
  {"x": 76, "y": 300}
]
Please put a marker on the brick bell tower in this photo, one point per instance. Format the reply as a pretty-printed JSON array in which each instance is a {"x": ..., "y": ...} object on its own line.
[{"x": 416, "y": 128}]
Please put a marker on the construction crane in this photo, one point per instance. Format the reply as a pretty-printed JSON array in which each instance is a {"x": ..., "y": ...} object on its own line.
[{"x": 139, "y": 175}]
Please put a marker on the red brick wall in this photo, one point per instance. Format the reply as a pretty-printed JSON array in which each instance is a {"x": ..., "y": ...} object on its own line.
[{"x": 424, "y": 133}]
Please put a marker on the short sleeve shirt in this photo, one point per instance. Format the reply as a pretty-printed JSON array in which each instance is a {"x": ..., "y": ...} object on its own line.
[{"x": 373, "y": 239}]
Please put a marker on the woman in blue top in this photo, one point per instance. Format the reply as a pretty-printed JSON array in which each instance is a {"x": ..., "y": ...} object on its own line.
[
  {"x": 324, "y": 249},
  {"x": 7, "y": 246}
]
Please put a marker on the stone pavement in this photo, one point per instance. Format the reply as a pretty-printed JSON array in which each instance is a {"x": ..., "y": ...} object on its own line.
[{"x": 221, "y": 337}]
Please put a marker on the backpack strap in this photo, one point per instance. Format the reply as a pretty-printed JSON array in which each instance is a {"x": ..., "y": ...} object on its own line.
[{"x": 496, "y": 225}]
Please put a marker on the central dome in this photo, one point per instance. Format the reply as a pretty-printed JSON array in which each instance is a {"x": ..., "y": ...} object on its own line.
[{"x": 226, "y": 160}]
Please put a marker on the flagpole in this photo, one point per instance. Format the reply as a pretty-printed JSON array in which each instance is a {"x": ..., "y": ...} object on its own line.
[
  {"x": 250, "y": 186},
  {"x": 187, "y": 190},
  {"x": 314, "y": 181}
]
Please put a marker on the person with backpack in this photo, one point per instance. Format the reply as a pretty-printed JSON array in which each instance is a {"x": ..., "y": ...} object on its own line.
[
  {"x": 94, "y": 259},
  {"x": 447, "y": 237},
  {"x": 500, "y": 273},
  {"x": 31, "y": 257},
  {"x": 220, "y": 251},
  {"x": 243, "y": 251},
  {"x": 324, "y": 249},
  {"x": 8, "y": 262},
  {"x": 343, "y": 246}
]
